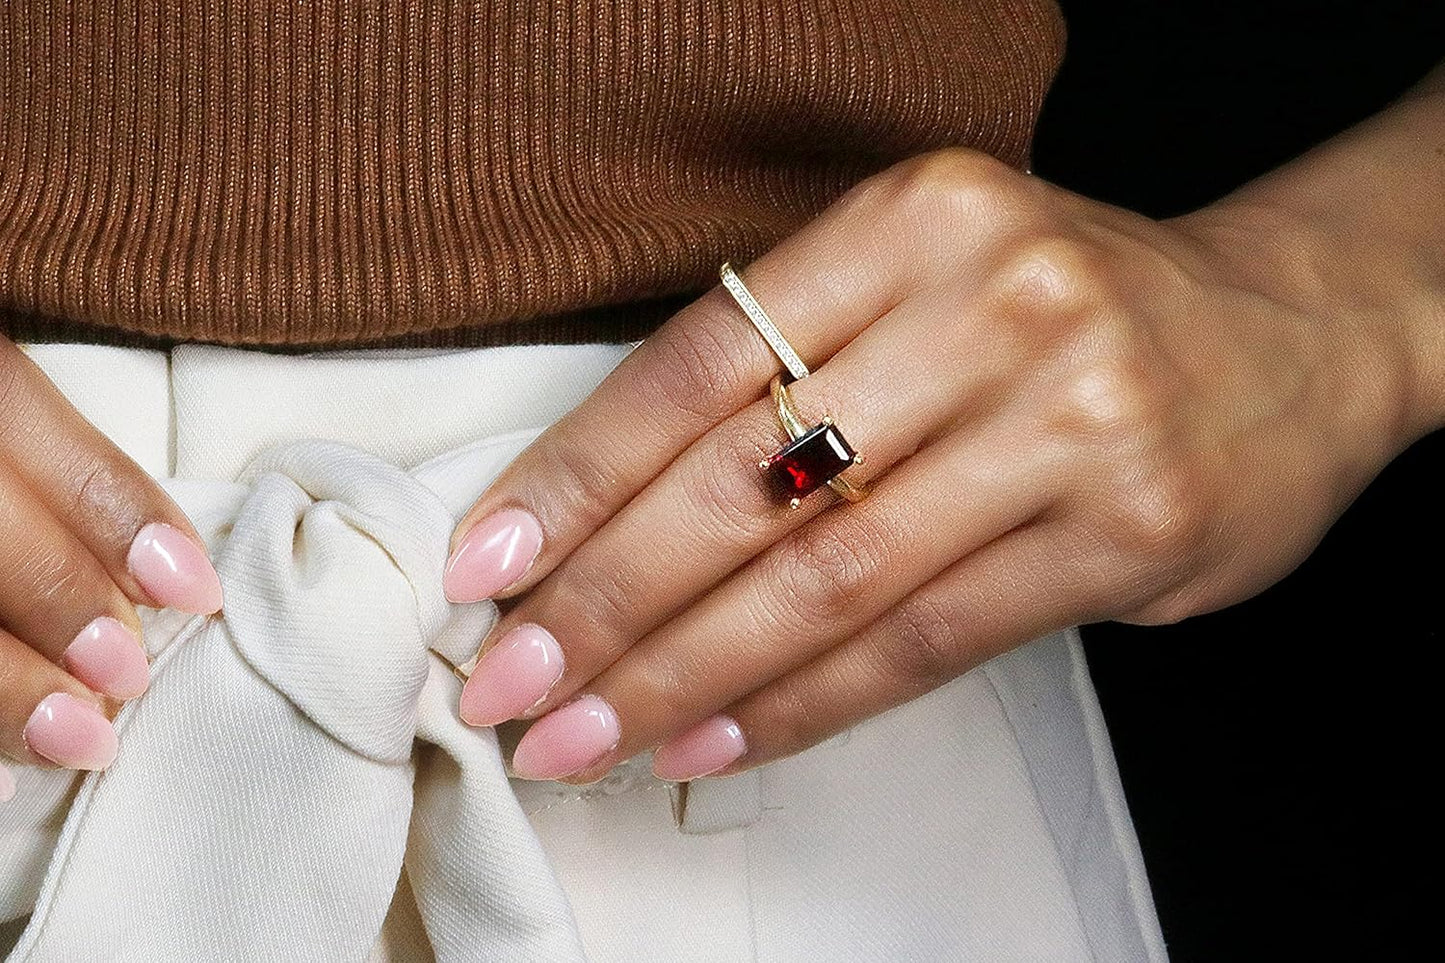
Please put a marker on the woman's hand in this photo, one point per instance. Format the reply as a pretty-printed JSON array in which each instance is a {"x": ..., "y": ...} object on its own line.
[
  {"x": 1069, "y": 412},
  {"x": 85, "y": 537}
]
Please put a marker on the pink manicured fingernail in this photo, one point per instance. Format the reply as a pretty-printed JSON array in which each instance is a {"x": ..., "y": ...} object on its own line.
[
  {"x": 174, "y": 570},
  {"x": 7, "y": 785},
  {"x": 705, "y": 748},
  {"x": 70, "y": 733},
  {"x": 567, "y": 739},
  {"x": 494, "y": 555},
  {"x": 512, "y": 676},
  {"x": 109, "y": 659}
]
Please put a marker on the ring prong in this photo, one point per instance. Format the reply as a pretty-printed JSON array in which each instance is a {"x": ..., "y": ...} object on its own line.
[
  {"x": 763, "y": 465},
  {"x": 828, "y": 420},
  {"x": 794, "y": 503},
  {"x": 858, "y": 459}
]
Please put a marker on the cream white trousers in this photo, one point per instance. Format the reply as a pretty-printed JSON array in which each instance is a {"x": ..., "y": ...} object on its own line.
[{"x": 296, "y": 784}]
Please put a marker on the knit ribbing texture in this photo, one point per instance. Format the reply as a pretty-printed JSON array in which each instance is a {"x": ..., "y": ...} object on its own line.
[{"x": 355, "y": 172}]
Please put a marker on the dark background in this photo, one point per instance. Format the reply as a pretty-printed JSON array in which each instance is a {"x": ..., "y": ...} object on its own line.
[{"x": 1276, "y": 754}]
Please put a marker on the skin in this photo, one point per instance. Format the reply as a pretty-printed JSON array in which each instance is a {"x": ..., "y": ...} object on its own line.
[
  {"x": 70, "y": 505},
  {"x": 1070, "y": 413}
]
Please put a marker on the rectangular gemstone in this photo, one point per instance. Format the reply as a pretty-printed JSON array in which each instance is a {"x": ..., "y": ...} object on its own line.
[{"x": 809, "y": 461}]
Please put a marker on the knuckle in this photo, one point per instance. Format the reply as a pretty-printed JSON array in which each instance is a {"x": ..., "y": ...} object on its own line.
[
  {"x": 55, "y": 582},
  {"x": 703, "y": 361},
  {"x": 1054, "y": 277},
  {"x": 599, "y": 598},
  {"x": 580, "y": 487},
  {"x": 1111, "y": 402},
  {"x": 831, "y": 568},
  {"x": 663, "y": 688},
  {"x": 1169, "y": 513},
  {"x": 1168, "y": 609},
  {"x": 63, "y": 588},
  {"x": 947, "y": 173},
  {"x": 104, "y": 498},
  {"x": 1161, "y": 514},
  {"x": 1118, "y": 394},
  {"x": 96, "y": 489},
  {"x": 732, "y": 505},
  {"x": 953, "y": 179},
  {"x": 925, "y": 643},
  {"x": 782, "y": 719}
]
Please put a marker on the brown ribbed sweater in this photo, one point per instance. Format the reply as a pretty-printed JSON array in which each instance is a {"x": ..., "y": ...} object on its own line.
[{"x": 343, "y": 172}]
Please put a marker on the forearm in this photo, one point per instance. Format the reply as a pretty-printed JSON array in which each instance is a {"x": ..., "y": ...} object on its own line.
[{"x": 1355, "y": 231}]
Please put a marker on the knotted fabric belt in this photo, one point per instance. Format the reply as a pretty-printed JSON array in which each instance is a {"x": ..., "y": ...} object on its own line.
[
  {"x": 269, "y": 792},
  {"x": 296, "y": 752}
]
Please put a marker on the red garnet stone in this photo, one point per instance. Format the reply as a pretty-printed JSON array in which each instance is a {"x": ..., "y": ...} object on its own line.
[{"x": 809, "y": 461}]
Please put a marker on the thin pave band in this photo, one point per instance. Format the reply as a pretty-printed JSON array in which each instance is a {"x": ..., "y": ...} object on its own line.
[{"x": 762, "y": 322}]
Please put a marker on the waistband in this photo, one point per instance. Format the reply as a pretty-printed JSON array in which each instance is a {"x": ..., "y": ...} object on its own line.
[{"x": 207, "y": 412}]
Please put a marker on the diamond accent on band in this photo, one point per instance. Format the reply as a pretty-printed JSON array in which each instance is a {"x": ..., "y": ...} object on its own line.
[
  {"x": 808, "y": 462},
  {"x": 762, "y": 322}
]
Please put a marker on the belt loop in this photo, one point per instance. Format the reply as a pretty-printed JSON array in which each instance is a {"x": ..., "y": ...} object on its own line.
[{"x": 705, "y": 806}]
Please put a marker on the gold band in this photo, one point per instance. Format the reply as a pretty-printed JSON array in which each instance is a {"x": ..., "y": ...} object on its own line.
[
  {"x": 762, "y": 322},
  {"x": 797, "y": 428},
  {"x": 825, "y": 453}
]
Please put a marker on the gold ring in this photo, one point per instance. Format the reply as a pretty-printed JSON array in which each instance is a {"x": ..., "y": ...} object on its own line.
[
  {"x": 813, "y": 456},
  {"x": 762, "y": 322}
]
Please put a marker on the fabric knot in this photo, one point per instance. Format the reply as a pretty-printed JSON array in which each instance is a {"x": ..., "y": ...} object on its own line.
[
  {"x": 305, "y": 743},
  {"x": 324, "y": 522}
]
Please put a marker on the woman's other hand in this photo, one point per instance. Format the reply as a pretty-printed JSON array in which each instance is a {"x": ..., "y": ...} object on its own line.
[{"x": 85, "y": 537}]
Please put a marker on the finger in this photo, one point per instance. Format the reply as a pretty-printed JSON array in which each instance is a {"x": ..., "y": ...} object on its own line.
[
  {"x": 1015, "y": 589},
  {"x": 47, "y": 717},
  {"x": 123, "y": 518},
  {"x": 713, "y": 511},
  {"x": 822, "y": 286},
  {"x": 59, "y": 599},
  {"x": 810, "y": 591}
]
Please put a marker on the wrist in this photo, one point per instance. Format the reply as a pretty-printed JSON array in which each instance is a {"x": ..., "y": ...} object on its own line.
[{"x": 1373, "y": 308}]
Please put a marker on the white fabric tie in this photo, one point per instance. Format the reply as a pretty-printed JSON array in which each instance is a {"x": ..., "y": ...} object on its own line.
[{"x": 268, "y": 794}]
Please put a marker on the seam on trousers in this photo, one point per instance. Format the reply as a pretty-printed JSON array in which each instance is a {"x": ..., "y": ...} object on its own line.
[
  {"x": 1042, "y": 815},
  {"x": 748, "y": 885},
  {"x": 1116, "y": 810}
]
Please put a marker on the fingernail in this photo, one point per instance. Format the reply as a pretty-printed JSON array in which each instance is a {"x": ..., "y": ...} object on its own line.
[
  {"x": 512, "y": 676},
  {"x": 7, "y": 785},
  {"x": 703, "y": 749},
  {"x": 109, "y": 659},
  {"x": 70, "y": 733},
  {"x": 567, "y": 739},
  {"x": 174, "y": 570},
  {"x": 495, "y": 554}
]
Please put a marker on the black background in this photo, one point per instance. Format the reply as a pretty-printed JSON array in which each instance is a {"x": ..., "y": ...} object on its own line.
[{"x": 1276, "y": 755}]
